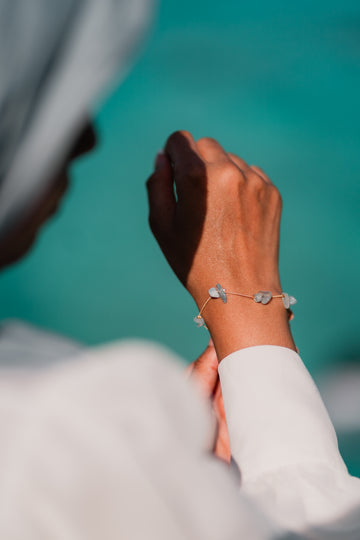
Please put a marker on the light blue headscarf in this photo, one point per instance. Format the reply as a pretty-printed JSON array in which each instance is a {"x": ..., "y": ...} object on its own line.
[{"x": 56, "y": 56}]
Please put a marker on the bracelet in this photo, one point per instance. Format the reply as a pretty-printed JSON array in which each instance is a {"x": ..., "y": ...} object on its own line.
[{"x": 261, "y": 297}]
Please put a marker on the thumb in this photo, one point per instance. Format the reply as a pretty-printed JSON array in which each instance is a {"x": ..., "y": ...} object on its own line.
[
  {"x": 161, "y": 196},
  {"x": 205, "y": 370}
]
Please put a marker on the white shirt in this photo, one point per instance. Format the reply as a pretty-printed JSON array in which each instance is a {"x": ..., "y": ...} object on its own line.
[{"x": 111, "y": 446}]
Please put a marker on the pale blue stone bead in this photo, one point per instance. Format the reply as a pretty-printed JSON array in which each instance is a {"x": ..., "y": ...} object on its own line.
[
  {"x": 286, "y": 300},
  {"x": 214, "y": 293},
  {"x": 267, "y": 296},
  {"x": 199, "y": 321},
  {"x": 263, "y": 296},
  {"x": 221, "y": 292}
]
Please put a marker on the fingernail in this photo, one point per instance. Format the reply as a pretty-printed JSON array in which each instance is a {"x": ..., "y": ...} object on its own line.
[{"x": 159, "y": 160}]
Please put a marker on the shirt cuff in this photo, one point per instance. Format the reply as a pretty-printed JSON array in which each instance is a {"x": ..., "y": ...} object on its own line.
[{"x": 274, "y": 412}]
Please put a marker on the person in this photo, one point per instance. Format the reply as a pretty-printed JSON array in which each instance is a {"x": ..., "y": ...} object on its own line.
[
  {"x": 50, "y": 80},
  {"x": 113, "y": 442}
]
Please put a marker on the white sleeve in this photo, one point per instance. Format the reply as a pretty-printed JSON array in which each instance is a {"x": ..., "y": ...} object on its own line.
[{"x": 283, "y": 440}]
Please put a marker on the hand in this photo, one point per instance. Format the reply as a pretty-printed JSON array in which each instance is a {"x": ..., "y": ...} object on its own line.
[
  {"x": 224, "y": 225},
  {"x": 205, "y": 372},
  {"x": 221, "y": 226}
]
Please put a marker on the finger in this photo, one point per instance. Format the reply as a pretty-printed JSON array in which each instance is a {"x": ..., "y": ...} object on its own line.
[
  {"x": 243, "y": 166},
  {"x": 218, "y": 402},
  {"x": 161, "y": 195},
  {"x": 189, "y": 369},
  {"x": 211, "y": 150},
  {"x": 205, "y": 371},
  {"x": 182, "y": 150},
  {"x": 222, "y": 441},
  {"x": 261, "y": 173},
  {"x": 189, "y": 170}
]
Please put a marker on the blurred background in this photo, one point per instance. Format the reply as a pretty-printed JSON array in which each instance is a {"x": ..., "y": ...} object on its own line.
[{"x": 278, "y": 83}]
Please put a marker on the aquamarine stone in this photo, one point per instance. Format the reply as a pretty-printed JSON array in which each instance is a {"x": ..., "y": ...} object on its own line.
[
  {"x": 214, "y": 293},
  {"x": 263, "y": 296},
  {"x": 267, "y": 296},
  {"x": 286, "y": 300},
  {"x": 199, "y": 321},
  {"x": 221, "y": 292}
]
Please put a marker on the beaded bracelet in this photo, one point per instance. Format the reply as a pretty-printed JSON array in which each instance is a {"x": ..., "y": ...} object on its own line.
[{"x": 261, "y": 297}]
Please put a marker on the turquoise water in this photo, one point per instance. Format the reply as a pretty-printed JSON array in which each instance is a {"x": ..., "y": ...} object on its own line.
[{"x": 277, "y": 83}]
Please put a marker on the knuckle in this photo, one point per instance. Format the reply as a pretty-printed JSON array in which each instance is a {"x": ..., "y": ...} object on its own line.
[
  {"x": 230, "y": 175},
  {"x": 204, "y": 141},
  {"x": 255, "y": 182},
  {"x": 177, "y": 136},
  {"x": 196, "y": 171},
  {"x": 258, "y": 170},
  {"x": 191, "y": 172}
]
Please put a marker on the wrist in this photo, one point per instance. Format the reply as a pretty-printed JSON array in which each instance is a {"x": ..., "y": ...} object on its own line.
[
  {"x": 248, "y": 283},
  {"x": 242, "y": 322}
]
